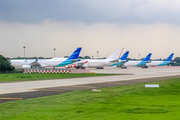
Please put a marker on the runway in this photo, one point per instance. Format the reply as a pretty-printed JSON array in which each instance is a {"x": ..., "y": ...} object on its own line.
[{"x": 32, "y": 89}]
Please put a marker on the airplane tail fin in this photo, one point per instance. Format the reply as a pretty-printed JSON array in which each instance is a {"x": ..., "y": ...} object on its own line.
[
  {"x": 147, "y": 58},
  {"x": 170, "y": 57},
  {"x": 124, "y": 57},
  {"x": 75, "y": 54},
  {"x": 160, "y": 59},
  {"x": 116, "y": 54}
]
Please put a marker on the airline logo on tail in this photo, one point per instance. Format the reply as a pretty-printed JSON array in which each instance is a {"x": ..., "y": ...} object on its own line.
[
  {"x": 75, "y": 54},
  {"x": 167, "y": 61},
  {"x": 147, "y": 58},
  {"x": 143, "y": 62},
  {"x": 73, "y": 58},
  {"x": 123, "y": 58},
  {"x": 170, "y": 57}
]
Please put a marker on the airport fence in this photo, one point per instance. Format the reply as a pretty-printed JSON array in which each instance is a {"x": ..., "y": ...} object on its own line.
[{"x": 10, "y": 71}]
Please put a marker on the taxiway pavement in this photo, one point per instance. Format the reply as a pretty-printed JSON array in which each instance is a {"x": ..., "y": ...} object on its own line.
[{"x": 131, "y": 74}]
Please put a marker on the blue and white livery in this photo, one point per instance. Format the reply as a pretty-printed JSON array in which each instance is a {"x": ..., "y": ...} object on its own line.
[
  {"x": 97, "y": 63},
  {"x": 161, "y": 63},
  {"x": 122, "y": 59},
  {"x": 138, "y": 63},
  {"x": 54, "y": 62}
]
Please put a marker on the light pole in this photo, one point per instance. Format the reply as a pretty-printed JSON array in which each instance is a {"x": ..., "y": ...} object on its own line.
[
  {"x": 54, "y": 51},
  {"x": 24, "y": 51},
  {"x": 139, "y": 56},
  {"x": 97, "y": 54}
]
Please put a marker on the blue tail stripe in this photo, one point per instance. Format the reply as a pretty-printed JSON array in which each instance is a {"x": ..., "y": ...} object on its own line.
[
  {"x": 124, "y": 57},
  {"x": 147, "y": 58},
  {"x": 75, "y": 54},
  {"x": 170, "y": 57}
]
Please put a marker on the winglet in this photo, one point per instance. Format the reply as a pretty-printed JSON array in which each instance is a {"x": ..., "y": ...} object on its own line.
[
  {"x": 75, "y": 54},
  {"x": 147, "y": 58},
  {"x": 124, "y": 57},
  {"x": 170, "y": 57},
  {"x": 86, "y": 62}
]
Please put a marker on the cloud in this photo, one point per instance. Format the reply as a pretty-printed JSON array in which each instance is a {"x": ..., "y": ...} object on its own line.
[
  {"x": 40, "y": 39},
  {"x": 106, "y": 11}
]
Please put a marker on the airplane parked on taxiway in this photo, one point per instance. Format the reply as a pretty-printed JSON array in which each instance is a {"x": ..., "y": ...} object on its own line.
[
  {"x": 139, "y": 63},
  {"x": 160, "y": 63},
  {"x": 54, "y": 62},
  {"x": 97, "y": 63},
  {"x": 122, "y": 60}
]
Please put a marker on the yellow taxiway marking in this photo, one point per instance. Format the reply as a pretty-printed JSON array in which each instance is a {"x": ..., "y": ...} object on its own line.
[
  {"x": 10, "y": 98},
  {"x": 82, "y": 86},
  {"x": 45, "y": 90}
]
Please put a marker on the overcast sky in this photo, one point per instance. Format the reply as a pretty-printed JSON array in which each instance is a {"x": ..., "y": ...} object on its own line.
[{"x": 140, "y": 26}]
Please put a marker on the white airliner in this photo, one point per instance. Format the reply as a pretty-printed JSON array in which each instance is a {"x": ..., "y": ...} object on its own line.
[
  {"x": 97, "y": 63},
  {"x": 138, "y": 63},
  {"x": 161, "y": 63},
  {"x": 54, "y": 62}
]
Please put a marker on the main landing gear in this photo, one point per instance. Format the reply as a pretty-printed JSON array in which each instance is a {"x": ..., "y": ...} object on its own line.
[
  {"x": 123, "y": 67},
  {"x": 145, "y": 66},
  {"x": 80, "y": 67},
  {"x": 100, "y": 67}
]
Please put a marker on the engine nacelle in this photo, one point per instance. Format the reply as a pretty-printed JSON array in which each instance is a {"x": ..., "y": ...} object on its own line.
[
  {"x": 70, "y": 66},
  {"x": 73, "y": 66},
  {"x": 67, "y": 66},
  {"x": 26, "y": 66}
]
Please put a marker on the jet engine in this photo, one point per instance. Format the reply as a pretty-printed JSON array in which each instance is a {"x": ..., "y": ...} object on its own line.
[
  {"x": 26, "y": 66},
  {"x": 70, "y": 66}
]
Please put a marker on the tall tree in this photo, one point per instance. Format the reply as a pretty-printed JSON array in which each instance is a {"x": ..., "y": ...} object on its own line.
[
  {"x": 5, "y": 64},
  {"x": 87, "y": 57}
]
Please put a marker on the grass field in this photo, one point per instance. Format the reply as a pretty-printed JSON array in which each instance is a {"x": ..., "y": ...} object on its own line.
[
  {"x": 131, "y": 102},
  {"x": 43, "y": 76}
]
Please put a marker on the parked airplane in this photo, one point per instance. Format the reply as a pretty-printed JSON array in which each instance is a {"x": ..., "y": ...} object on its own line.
[
  {"x": 161, "y": 63},
  {"x": 97, "y": 63},
  {"x": 54, "y": 62},
  {"x": 139, "y": 63},
  {"x": 122, "y": 60}
]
